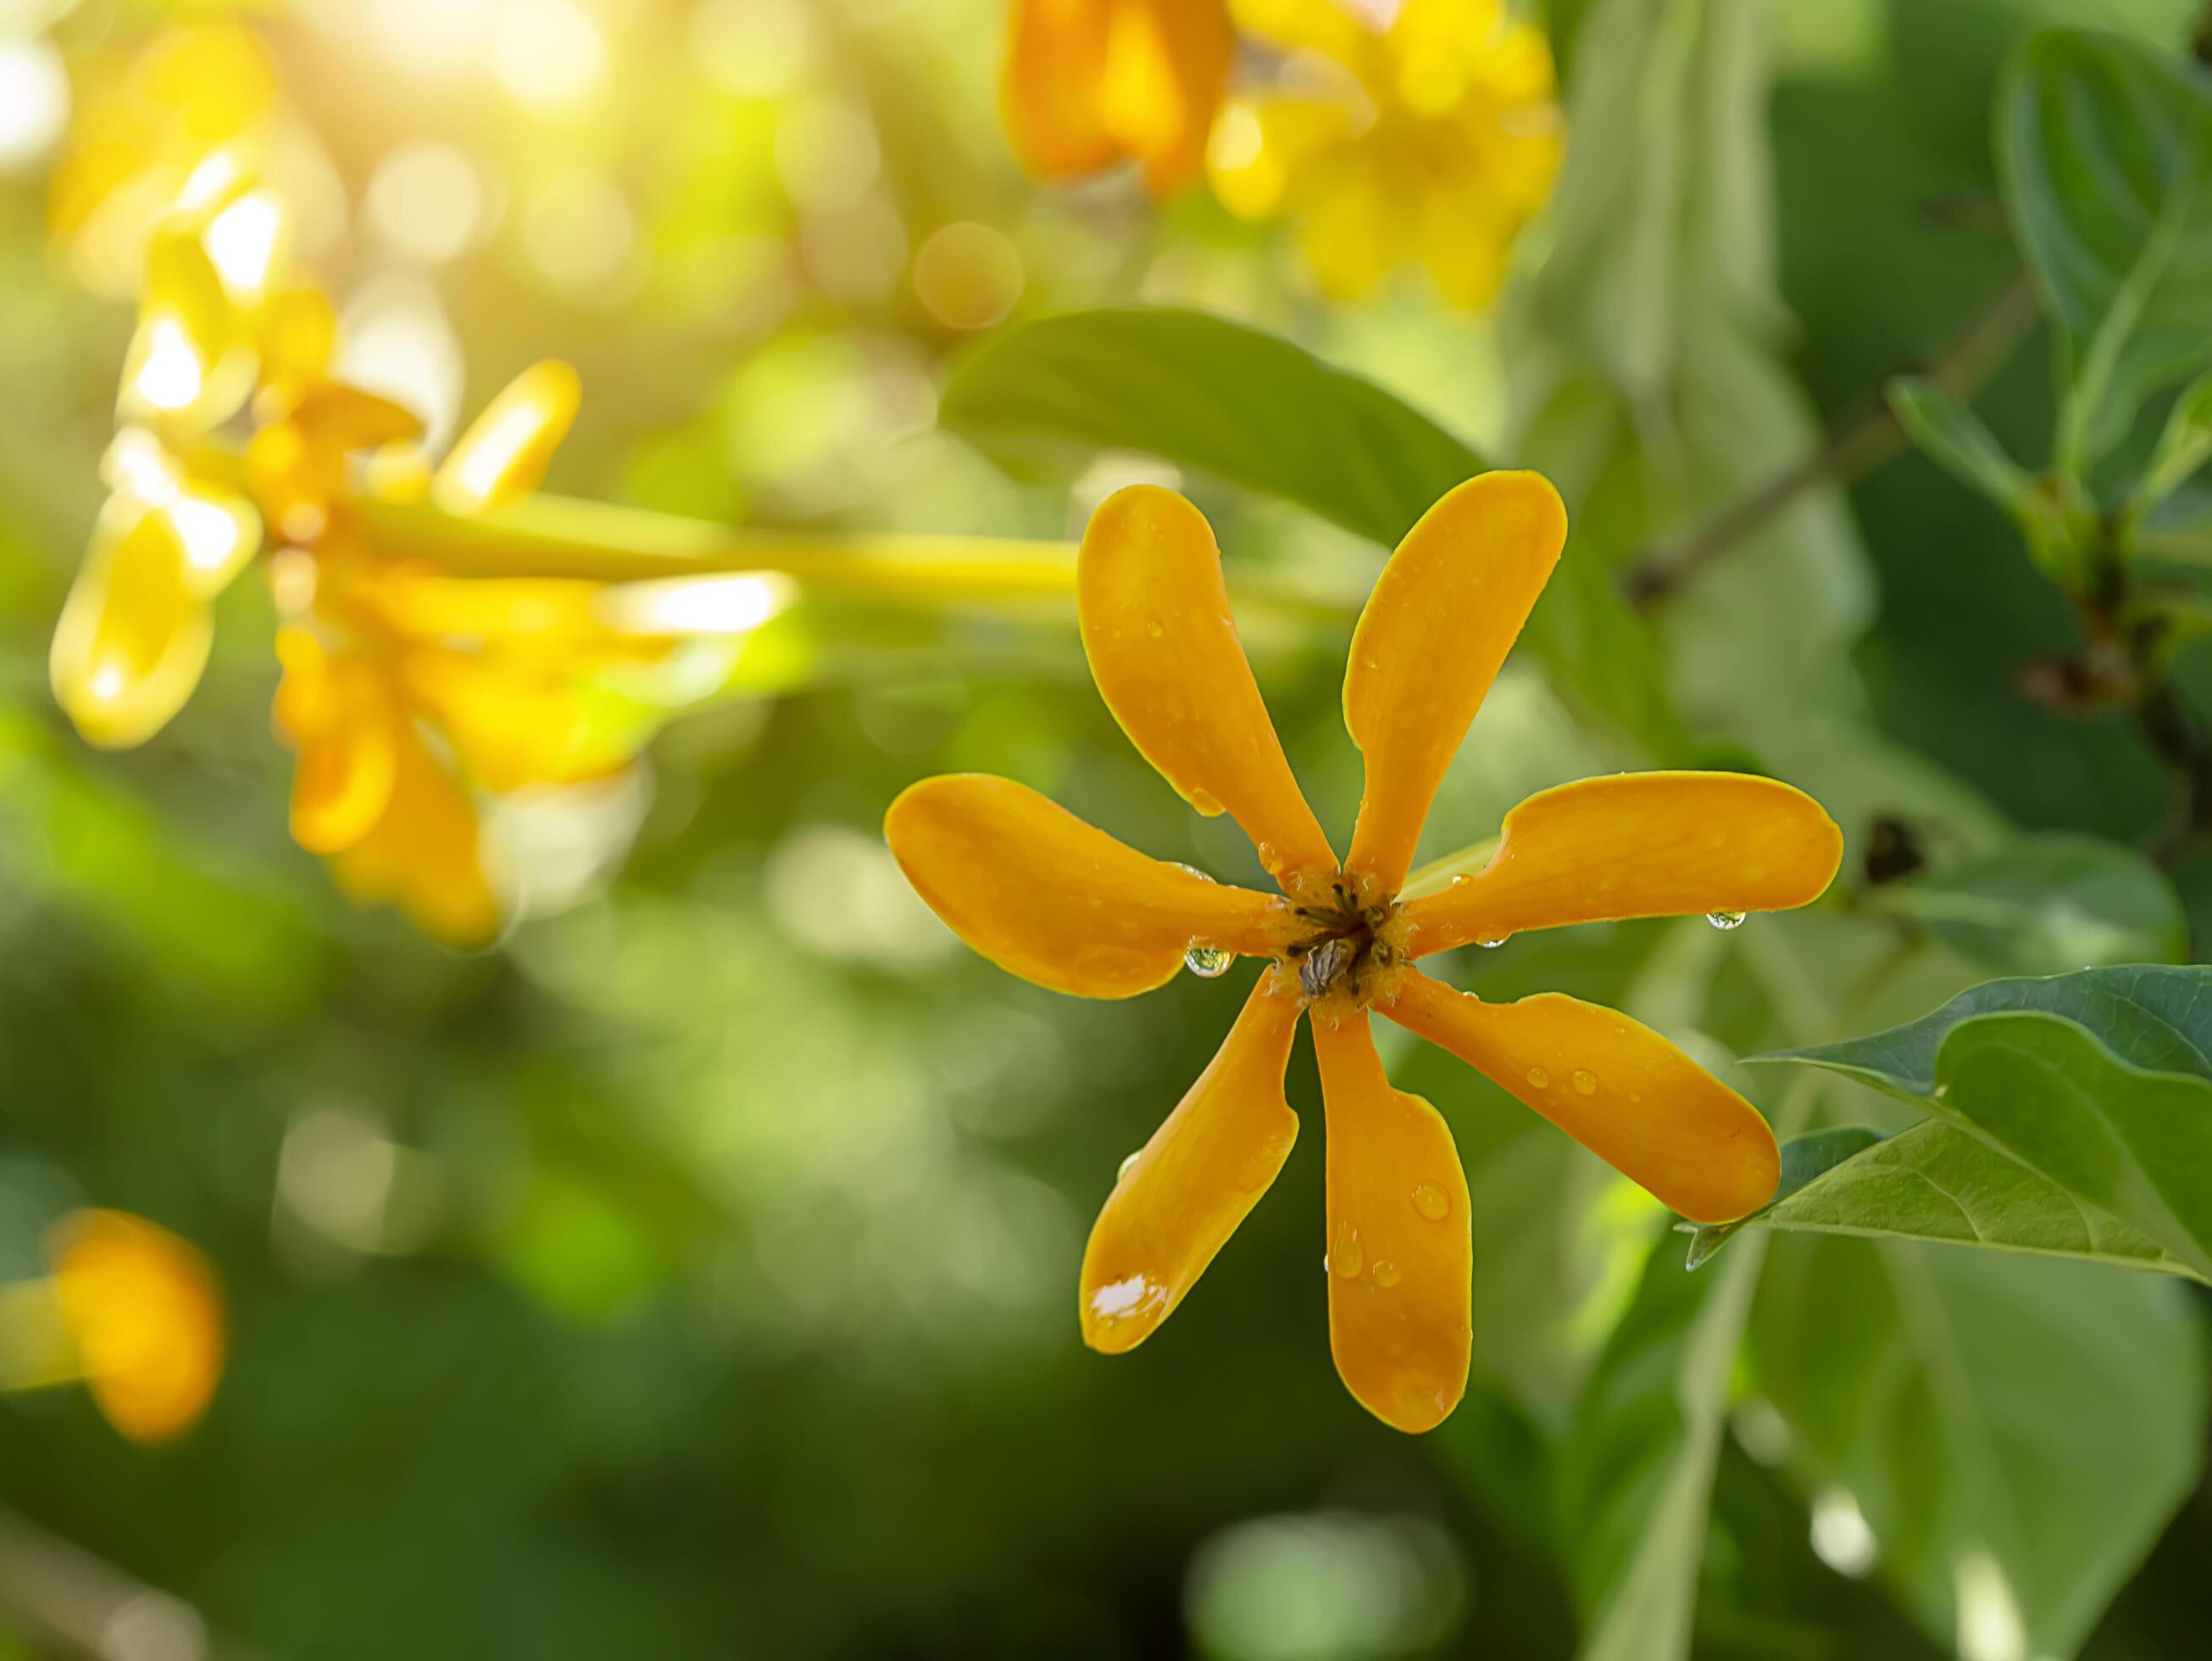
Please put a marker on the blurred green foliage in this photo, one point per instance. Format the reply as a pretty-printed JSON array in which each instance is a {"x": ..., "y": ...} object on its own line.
[{"x": 693, "y": 1275}]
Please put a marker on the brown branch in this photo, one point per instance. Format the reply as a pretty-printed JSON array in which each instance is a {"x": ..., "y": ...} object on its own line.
[{"x": 1864, "y": 442}]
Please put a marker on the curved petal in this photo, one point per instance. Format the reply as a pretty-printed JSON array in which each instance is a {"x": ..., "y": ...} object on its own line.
[
  {"x": 1260, "y": 148},
  {"x": 508, "y": 448},
  {"x": 144, "y": 1312},
  {"x": 1615, "y": 1086},
  {"x": 1046, "y": 897},
  {"x": 1056, "y": 54},
  {"x": 426, "y": 854},
  {"x": 133, "y": 638},
  {"x": 1446, "y": 609},
  {"x": 1401, "y": 1247},
  {"x": 1164, "y": 651},
  {"x": 1181, "y": 1195},
  {"x": 1166, "y": 64},
  {"x": 1637, "y": 845}
]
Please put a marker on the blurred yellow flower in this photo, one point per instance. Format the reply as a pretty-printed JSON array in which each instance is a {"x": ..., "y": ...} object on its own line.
[
  {"x": 406, "y": 688},
  {"x": 1091, "y": 82},
  {"x": 1047, "y": 897},
  {"x": 127, "y": 1308},
  {"x": 1429, "y": 138}
]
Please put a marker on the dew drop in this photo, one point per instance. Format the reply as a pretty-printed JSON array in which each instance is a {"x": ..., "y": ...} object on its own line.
[
  {"x": 1585, "y": 1082},
  {"x": 1121, "y": 1174},
  {"x": 1725, "y": 920},
  {"x": 1208, "y": 962},
  {"x": 1154, "y": 629},
  {"x": 1346, "y": 1258},
  {"x": 1494, "y": 942},
  {"x": 1538, "y": 1077},
  {"x": 1386, "y": 1274},
  {"x": 1193, "y": 870},
  {"x": 1431, "y": 1201}
]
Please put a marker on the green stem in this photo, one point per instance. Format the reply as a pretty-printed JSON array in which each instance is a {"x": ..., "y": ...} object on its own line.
[{"x": 566, "y": 537}]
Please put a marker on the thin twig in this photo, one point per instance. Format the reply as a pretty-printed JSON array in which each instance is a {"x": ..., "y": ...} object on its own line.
[{"x": 1861, "y": 444}]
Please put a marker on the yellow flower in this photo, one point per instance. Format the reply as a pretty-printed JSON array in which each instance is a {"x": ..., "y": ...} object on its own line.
[
  {"x": 129, "y": 1309},
  {"x": 170, "y": 129},
  {"x": 1052, "y": 899},
  {"x": 1431, "y": 139},
  {"x": 405, "y": 689},
  {"x": 1090, "y": 82}
]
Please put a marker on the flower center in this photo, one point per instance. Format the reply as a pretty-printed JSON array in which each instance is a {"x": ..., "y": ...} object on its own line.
[{"x": 1352, "y": 948}]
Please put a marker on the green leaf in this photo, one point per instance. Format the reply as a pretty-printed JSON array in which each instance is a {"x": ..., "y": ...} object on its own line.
[
  {"x": 2014, "y": 1434},
  {"x": 1636, "y": 1476},
  {"x": 1243, "y": 405},
  {"x": 2047, "y": 902},
  {"x": 2098, "y": 1081},
  {"x": 2184, "y": 445},
  {"x": 1935, "y": 1183},
  {"x": 1258, "y": 412},
  {"x": 1953, "y": 436},
  {"x": 1804, "y": 1158},
  {"x": 2103, "y": 149}
]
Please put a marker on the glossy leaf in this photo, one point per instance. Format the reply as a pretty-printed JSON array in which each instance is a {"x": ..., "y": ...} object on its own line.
[
  {"x": 1256, "y": 412},
  {"x": 2098, "y": 1081},
  {"x": 1804, "y": 1160},
  {"x": 2015, "y": 1434},
  {"x": 1935, "y": 1182},
  {"x": 2048, "y": 903},
  {"x": 1206, "y": 394}
]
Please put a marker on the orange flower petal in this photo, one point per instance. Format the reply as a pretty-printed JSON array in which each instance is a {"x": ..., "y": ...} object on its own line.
[
  {"x": 144, "y": 1313},
  {"x": 1401, "y": 1247},
  {"x": 1637, "y": 845},
  {"x": 1055, "y": 59},
  {"x": 1181, "y": 1197},
  {"x": 425, "y": 855},
  {"x": 1166, "y": 63},
  {"x": 1046, "y": 897},
  {"x": 1615, "y": 1086},
  {"x": 1444, "y": 613},
  {"x": 1164, "y": 651}
]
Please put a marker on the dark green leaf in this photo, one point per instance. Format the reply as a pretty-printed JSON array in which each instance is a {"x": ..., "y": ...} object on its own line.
[
  {"x": 2048, "y": 902},
  {"x": 1936, "y": 1183},
  {"x": 1245, "y": 406},
  {"x": 2098, "y": 1081},
  {"x": 2104, "y": 151},
  {"x": 2015, "y": 1434}
]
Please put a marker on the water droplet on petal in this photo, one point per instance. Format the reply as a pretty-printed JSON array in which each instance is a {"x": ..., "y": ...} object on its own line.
[
  {"x": 1127, "y": 1166},
  {"x": 1725, "y": 920},
  {"x": 1207, "y": 961},
  {"x": 1431, "y": 1201},
  {"x": 1130, "y": 1300},
  {"x": 1538, "y": 1077},
  {"x": 1346, "y": 1258},
  {"x": 1201, "y": 875},
  {"x": 1154, "y": 629},
  {"x": 1386, "y": 1274},
  {"x": 1494, "y": 942},
  {"x": 1585, "y": 1081}
]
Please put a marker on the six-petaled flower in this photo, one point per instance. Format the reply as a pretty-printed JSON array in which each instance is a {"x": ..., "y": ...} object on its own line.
[{"x": 1050, "y": 898}]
